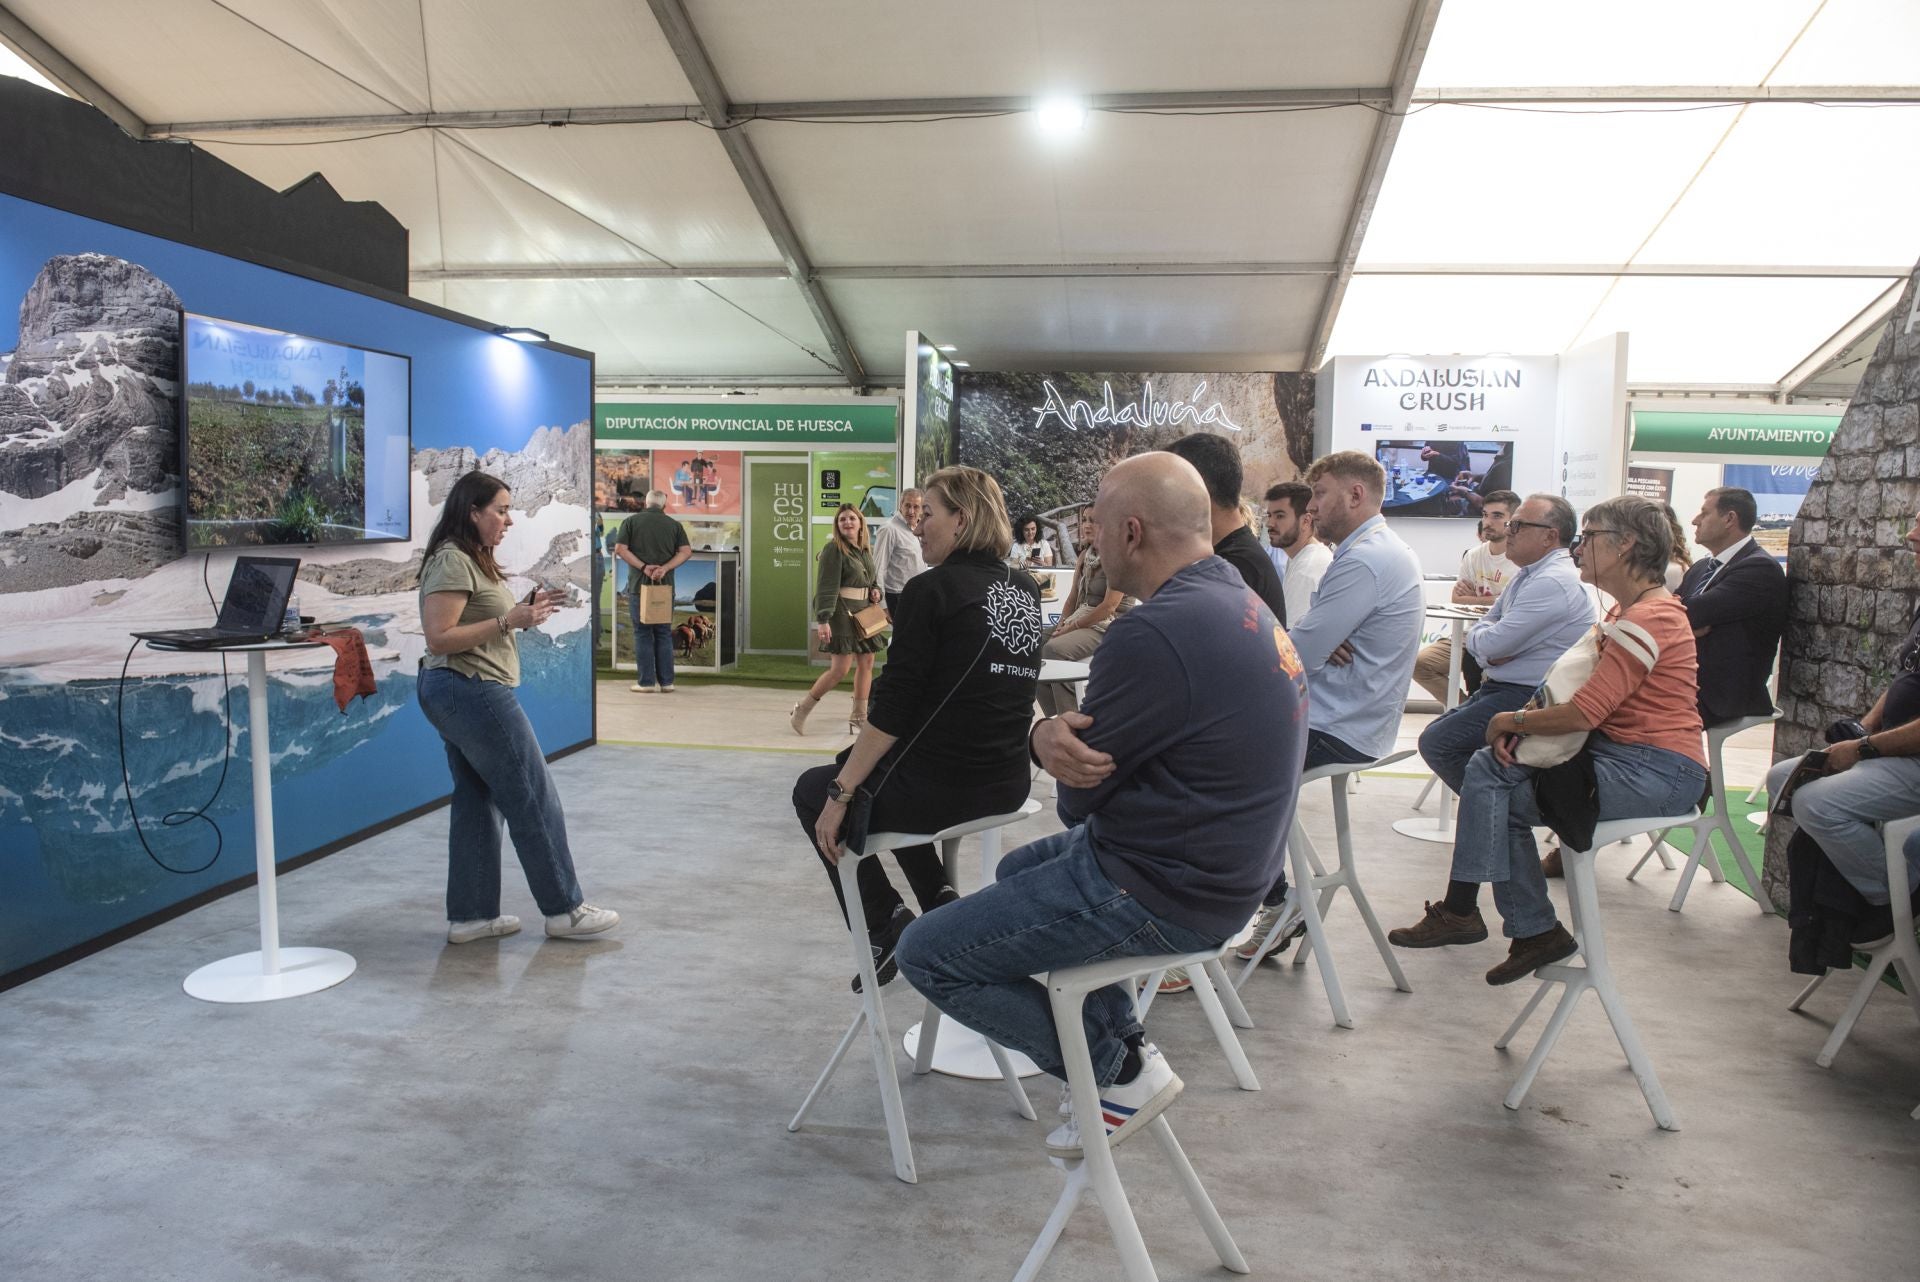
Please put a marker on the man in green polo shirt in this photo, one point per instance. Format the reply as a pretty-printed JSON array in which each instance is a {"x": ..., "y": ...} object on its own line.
[{"x": 652, "y": 544}]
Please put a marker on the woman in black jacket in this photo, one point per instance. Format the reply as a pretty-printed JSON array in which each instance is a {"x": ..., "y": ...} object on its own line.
[{"x": 946, "y": 735}]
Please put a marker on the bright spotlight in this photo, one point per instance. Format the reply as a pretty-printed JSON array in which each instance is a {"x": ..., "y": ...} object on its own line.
[{"x": 1060, "y": 115}]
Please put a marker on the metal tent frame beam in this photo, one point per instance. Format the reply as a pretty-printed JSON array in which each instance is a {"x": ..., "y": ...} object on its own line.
[
  {"x": 1824, "y": 357},
  {"x": 684, "y": 40},
  {"x": 39, "y": 54},
  {"x": 1413, "y": 52},
  {"x": 896, "y": 108},
  {"x": 1089, "y": 271}
]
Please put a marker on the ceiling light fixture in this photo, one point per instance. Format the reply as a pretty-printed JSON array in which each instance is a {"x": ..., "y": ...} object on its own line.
[
  {"x": 520, "y": 333},
  {"x": 1060, "y": 115},
  {"x": 945, "y": 347},
  {"x": 961, "y": 365}
]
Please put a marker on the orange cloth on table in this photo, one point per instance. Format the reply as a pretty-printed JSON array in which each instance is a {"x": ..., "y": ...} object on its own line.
[{"x": 352, "y": 668}]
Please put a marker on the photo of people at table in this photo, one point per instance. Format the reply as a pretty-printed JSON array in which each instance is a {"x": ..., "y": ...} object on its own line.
[{"x": 1438, "y": 476}]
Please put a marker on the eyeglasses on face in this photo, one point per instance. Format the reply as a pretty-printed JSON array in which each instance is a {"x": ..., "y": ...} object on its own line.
[
  {"x": 1514, "y": 523},
  {"x": 1581, "y": 538}
]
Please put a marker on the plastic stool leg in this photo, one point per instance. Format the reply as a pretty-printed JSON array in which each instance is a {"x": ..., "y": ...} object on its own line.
[
  {"x": 1856, "y": 1004},
  {"x": 1659, "y": 843},
  {"x": 1394, "y": 972},
  {"x": 1143, "y": 997},
  {"x": 879, "y": 1036},
  {"x": 1056, "y": 1224},
  {"x": 929, "y": 1034},
  {"x": 1637, "y": 1059},
  {"x": 1747, "y": 869},
  {"x": 1526, "y": 1013},
  {"x": 1556, "y": 1023},
  {"x": 1223, "y": 1030},
  {"x": 1807, "y": 992},
  {"x": 1203, "y": 1208},
  {"x": 1021, "y": 1104},
  {"x": 1097, "y": 1156},
  {"x": 1702, "y": 846},
  {"x": 1329, "y": 973},
  {"x": 839, "y": 1053},
  {"x": 1229, "y": 996}
]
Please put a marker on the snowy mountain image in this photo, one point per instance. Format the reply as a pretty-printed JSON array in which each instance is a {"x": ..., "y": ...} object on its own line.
[{"x": 91, "y": 552}]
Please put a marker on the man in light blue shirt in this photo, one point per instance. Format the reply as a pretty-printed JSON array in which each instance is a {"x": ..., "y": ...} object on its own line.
[
  {"x": 1539, "y": 615},
  {"x": 1359, "y": 640}
]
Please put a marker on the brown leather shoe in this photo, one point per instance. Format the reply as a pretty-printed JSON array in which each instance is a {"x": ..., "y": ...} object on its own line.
[
  {"x": 1529, "y": 955},
  {"x": 1550, "y": 865},
  {"x": 1439, "y": 928}
]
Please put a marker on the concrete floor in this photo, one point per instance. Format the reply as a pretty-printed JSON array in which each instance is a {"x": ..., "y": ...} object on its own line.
[{"x": 617, "y": 1109}]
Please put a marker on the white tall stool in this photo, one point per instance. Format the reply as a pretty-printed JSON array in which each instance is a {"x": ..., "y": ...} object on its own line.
[
  {"x": 1592, "y": 972},
  {"x": 1720, "y": 821},
  {"x": 1898, "y": 950},
  {"x": 1221, "y": 1004},
  {"x": 1309, "y": 876},
  {"x": 873, "y": 1010},
  {"x": 1067, "y": 993}
]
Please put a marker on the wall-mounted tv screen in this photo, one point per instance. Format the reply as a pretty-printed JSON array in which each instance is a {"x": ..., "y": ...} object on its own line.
[
  {"x": 289, "y": 439},
  {"x": 1442, "y": 477}
]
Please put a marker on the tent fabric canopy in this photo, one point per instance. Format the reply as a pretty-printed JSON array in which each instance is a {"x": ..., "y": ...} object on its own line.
[{"x": 1242, "y": 195}]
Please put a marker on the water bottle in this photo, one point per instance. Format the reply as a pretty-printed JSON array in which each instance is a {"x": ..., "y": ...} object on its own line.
[{"x": 290, "y": 625}]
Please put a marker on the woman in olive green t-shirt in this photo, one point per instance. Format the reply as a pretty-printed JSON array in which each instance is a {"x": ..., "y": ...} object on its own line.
[
  {"x": 847, "y": 581},
  {"x": 466, "y": 690}
]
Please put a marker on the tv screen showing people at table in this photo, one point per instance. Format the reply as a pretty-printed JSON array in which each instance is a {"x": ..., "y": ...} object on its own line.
[
  {"x": 288, "y": 439},
  {"x": 1439, "y": 476}
]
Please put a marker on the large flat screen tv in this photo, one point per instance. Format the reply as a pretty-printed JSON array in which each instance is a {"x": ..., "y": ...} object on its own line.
[
  {"x": 289, "y": 439},
  {"x": 1441, "y": 477}
]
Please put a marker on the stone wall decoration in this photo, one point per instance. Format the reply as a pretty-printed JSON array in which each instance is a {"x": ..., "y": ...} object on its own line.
[{"x": 1853, "y": 580}]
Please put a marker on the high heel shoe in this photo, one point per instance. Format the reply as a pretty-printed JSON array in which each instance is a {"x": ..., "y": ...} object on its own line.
[
  {"x": 798, "y": 717},
  {"x": 858, "y": 721}
]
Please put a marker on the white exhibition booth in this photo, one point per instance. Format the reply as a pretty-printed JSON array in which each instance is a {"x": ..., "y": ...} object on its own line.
[{"x": 1546, "y": 423}]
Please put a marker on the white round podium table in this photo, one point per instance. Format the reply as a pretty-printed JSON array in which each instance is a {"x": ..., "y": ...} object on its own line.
[{"x": 273, "y": 972}]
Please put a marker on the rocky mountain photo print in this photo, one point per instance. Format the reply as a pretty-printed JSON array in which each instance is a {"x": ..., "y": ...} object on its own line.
[{"x": 92, "y": 550}]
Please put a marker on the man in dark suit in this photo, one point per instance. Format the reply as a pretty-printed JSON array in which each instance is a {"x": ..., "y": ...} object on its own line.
[{"x": 1737, "y": 601}]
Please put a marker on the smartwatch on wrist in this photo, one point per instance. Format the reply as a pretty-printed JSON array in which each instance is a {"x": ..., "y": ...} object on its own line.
[
  {"x": 837, "y": 793},
  {"x": 1867, "y": 751}
]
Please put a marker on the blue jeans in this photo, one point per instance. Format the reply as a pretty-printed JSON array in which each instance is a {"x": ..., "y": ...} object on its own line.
[
  {"x": 1493, "y": 836},
  {"x": 652, "y": 646},
  {"x": 1051, "y": 908},
  {"x": 1840, "y": 811},
  {"x": 498, "y": 771},
  {"x": 1450, "y": 742}
]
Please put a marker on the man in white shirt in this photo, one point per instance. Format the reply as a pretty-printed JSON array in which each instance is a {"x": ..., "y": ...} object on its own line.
[
  {"x": 1290, "y": 531},
  {"x": 1484, "y": 572},
  {"x": 896, "y": 547}
]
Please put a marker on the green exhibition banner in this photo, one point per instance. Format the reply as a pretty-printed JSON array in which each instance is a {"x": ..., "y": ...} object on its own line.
[
  {"x": 730, "y": 425},
  {"x": 1696, "y": 432},
  {"x": 779, "y": 562}
]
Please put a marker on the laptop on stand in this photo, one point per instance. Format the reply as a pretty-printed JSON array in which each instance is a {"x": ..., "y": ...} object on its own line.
[{"x": 253, "y": 611}]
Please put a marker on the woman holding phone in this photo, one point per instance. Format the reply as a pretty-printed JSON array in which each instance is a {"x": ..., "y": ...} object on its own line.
[{"x": 466, "y": 688}]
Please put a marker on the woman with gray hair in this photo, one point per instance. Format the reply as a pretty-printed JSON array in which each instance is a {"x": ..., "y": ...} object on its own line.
[{"x": 1640, "y": 707}]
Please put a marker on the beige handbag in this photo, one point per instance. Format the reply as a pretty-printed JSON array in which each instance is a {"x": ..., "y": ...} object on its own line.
[
  {"x": 871, "y": 621},
  {"x": 1568, "y": 673}
]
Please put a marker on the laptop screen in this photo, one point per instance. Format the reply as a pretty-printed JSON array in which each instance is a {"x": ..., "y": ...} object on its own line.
[{"x": 257, "y": 593}]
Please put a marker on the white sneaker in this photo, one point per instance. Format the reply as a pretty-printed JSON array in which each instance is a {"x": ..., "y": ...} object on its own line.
[
  {"x": 637, "y": 688},
  {"x": 1126, "y": 1109},
  {"x": 465, "y": 932},
  {"x": 1263, "y": 926},
  {"x": 1176, "y": 980},
  {"x": 584, "y": 920}
]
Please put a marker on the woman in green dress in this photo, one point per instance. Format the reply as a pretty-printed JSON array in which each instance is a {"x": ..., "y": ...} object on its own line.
[{"x": 847, "y": 582}]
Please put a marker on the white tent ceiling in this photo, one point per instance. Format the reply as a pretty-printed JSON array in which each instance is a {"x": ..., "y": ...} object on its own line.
[{"x": 1261, "y": 182}]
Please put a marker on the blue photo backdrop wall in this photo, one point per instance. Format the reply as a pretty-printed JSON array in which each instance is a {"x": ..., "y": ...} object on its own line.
[{"x": 91, "y": 551}]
